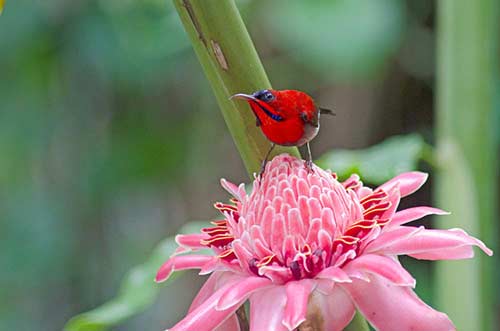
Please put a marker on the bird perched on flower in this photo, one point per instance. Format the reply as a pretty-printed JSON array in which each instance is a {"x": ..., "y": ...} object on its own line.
[
  {"x": 306, "y": 244},
  {"x": 286, "y": 117}
]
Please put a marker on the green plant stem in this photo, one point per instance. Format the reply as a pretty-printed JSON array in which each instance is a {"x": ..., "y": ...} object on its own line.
[
  {"x": 231, "y": 64},
  {"x": 466, "y": 154},
  {"x": 358, "y": 323}
]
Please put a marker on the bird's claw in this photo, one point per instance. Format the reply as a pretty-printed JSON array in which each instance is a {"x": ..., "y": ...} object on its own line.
[
  {"x": 309, "y": 166},
  {"x": 262, "y": 169}
]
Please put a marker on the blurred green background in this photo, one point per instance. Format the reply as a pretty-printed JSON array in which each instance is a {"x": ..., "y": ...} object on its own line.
[{"x": 111, "y": 139}]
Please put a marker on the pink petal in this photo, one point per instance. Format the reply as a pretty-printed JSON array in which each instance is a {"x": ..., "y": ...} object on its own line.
[
  {"x": 364, "y": 192},
  {"x": 230, "y": 324},
  {"x": 314, "y": 208},
  {"x": 261, "y": 249},
  {"x": 304, "y": 211},
  {"x": 383, "y": 266},
  {"x": 267, "y": 308},
  {"x": 297, "y": 293},
  {"x": 352, "y": 181},
  {"x": 356, "y": 208},
  {"x": 325, "y": 243},
  {"x": 278, "y": 234},
  {"x": 335, "y": 274},
  {"x": 395, "y": 308},
  {"x": 394, "y": 198},
  {"x": 388, "y": 238},
  {"x": 241, "y": 291},
  {"x": 208, "y": 288},
  {"x": 210, "y": 266},
  {"x": 206, "y": 317},
  {"x": 412, "y": 214},
  {"x": 182, "y": 262},
  {"x": 191, "y": 241},
  {"x": 289, "y": 197},
  {"x": 276, "y": 273},
  {"x": 453, "y": 253},
  {"x": 372, "y": 234},
  {"x": 215, "y": 281},
  {"x": 267, "y": 223},
  {"x": 336, "y": 309},
  {"x": 325, "y": 286},
  {"x": 295, "y": 222},
  {"x": 243, "y": 254},
  {"x": 435, "y": 245},
  {"x": 408, "y": 182},
  {"x": 234, "y": 190},
  {"x": 327, "y": 221},
  {"x": 314, "y": 227},
  {"x": 289, "y": 249}
]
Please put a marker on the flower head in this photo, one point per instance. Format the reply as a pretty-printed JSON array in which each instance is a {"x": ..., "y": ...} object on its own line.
[{"x": 303, "y": 242}]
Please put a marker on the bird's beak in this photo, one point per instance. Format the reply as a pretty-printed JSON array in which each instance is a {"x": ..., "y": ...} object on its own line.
[{"x": 243, "y": 96}]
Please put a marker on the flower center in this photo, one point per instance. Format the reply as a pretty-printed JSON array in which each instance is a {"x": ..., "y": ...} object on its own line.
[{"x": 294, "y": 224}]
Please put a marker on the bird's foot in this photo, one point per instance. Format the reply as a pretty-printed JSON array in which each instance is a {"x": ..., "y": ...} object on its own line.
[
  {"x": 309, "y": 166},
  {"x": 262, "y": 169}
]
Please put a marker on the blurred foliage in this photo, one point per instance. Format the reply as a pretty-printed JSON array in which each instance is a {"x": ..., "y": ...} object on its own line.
[
  {"x": 137, "y": 290},
  {"x": 496, "y": 109},
  {"x": 91, "y": 114},
  {"x": 378, "y": 163},
  {"x": 327, "y": 36}
]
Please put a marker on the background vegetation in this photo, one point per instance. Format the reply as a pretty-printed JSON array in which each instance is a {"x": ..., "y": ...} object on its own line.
[{"x": 111, "y": 139}]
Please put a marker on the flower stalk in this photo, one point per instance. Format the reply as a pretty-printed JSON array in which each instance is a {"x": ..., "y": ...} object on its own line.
[
  {"x": 466, "y": 152},
  {"x": 231, "y": 65}
]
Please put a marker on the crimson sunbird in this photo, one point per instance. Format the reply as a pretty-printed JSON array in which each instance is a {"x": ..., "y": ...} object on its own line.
[{"x": 286, "y": 117}]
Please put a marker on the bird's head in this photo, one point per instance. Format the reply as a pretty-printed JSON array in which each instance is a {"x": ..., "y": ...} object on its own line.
[
  {"x": 265, "y": 104},
  {"x": 284, "y": 103},
  {"x": 287, "y": 103},
  {"x": 268, "y": 96}
]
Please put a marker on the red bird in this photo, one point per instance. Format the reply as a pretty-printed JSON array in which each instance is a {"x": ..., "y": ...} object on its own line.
[{"x": 286, "y": 117}]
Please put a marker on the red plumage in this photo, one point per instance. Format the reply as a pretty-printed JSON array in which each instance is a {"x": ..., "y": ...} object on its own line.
[{"x": 286, "y": 117}]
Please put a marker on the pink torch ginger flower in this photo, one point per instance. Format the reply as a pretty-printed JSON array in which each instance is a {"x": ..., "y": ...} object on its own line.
[{"x": 303, "y": 242}]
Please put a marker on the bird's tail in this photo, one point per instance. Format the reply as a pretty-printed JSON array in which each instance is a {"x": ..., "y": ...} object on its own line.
[{"x": 326, "y": 111}]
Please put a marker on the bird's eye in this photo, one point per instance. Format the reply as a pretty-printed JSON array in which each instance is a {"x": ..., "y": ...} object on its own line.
[
  {"x": 264, "y": 95},
  {"x": 268, "y": 96}
]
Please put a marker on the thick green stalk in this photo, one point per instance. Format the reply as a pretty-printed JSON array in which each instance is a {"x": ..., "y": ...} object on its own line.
[
  {"x": 358, "y": 323},
  {"x": 231, "y": 64},
  {"x": 466, "y": 181}
]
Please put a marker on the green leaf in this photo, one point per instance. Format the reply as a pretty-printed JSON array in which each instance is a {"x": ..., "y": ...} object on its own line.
[
  {"x": 137, "y": 292},
  {"x": 380, "y": 162}
]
